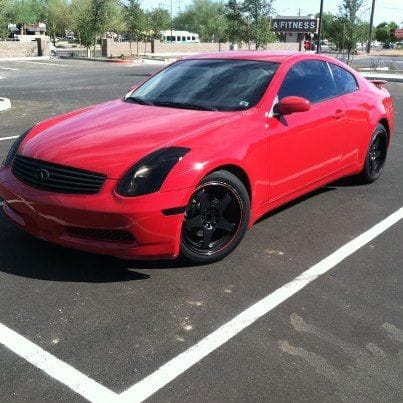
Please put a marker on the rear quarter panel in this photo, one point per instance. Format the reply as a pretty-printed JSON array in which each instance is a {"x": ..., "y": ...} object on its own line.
[{"x": 365, "y": 109}]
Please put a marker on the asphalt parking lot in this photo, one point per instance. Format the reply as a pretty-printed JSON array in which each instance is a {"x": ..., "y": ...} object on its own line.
[{"x": 340, "y": 338}]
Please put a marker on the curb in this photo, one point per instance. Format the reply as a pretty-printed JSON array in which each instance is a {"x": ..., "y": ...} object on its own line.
[
  {"x": 5, "y": 104},
  {"x": 392, "y": 78},
  {"x": 94, "y": 59},
  {"x": 132, "y": 62}
]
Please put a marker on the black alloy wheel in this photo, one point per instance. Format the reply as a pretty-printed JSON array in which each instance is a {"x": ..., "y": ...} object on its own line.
[
  {"x": 216, "y": 218},
  {"x": 376, "y": 156}
]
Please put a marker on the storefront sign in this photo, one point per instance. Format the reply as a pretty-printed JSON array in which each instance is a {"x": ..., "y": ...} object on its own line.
[{"x": 294, "y": 25}]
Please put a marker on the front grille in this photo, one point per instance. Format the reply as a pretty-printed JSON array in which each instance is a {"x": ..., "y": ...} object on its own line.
[
  {"x": 99, "y": 234},
  {"x": 56, "y": 178}
]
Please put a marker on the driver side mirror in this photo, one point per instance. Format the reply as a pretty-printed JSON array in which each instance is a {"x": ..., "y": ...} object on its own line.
[{"x": 292, "y": 104}]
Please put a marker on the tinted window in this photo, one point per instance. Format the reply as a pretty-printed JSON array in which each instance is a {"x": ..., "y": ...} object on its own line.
[
  {"x": 310, "y": 79},
  {"x": 345, "y": 81},
  {"x": 224, "y": 85}
]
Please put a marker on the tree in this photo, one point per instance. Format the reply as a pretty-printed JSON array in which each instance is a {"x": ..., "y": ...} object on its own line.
[
  {"x": 29, "y": 11},
  {"x": 382, "y": 32},
  {"x": 159, "y": 19},
  {"x": 58, "y": 18},
  {"x": 116, "y": 22},
  {"x": 235, "y": 30},
  {"x": 136, "y": 22},
  {"x": 204, "y": 17},
  {"x": 260, "y": 12},
  {"x": 99, "y": 16},
  {"x": 91, "y": 18},
  {"x": 349, "y": 21},
  {"x": 82, "y": 24},
  {"x": 5, "y": 6}
]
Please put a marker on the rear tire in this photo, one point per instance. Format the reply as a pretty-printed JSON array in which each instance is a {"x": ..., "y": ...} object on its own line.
[
  {"x": 216, "y": 218},
  {"x": 375, "y": 158}
]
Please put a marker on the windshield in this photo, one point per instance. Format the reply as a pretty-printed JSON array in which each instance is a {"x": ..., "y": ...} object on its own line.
[{"x": 209, "y": 84}]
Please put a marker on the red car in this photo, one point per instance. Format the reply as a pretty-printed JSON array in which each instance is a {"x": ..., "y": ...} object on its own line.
[{"x": 186, "y": 162}]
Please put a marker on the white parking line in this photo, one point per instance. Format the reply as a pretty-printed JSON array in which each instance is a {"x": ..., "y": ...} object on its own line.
[
  {"x": 8, "y": 138},
  {"x": 143, "y": 389},
  {"x": 57, "y": 369},
  {"x": 8, "y": 68},
  {"x": 169, "y": 371},
  {"x": 45, "y": 63}
]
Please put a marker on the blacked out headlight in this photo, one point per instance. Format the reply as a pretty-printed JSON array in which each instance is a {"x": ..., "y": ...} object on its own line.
[
  {"x": 148, "y": 174},
  {"x": 13, "y": 150}
]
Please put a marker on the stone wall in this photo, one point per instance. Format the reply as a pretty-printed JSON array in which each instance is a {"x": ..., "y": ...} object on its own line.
[
  {"x": 110, "y": 48},
  {"x": 160, "y": 47},
  {"x": 18, "y": 49}
]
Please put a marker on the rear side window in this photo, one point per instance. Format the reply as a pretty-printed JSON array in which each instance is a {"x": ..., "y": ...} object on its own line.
[
  {"x": 309, "y": 79},
  {"x": 345, "y": 81}
]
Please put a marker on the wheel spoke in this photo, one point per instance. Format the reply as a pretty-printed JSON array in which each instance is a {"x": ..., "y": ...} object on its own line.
[
  {"x": 204, "y": 200},
  {"x": 223, "y": 203},
  {"x": 225, "y": 225},
  {"x": 372, "y": 166},
  {"x": 207, "y": 236},
  {"x": 194, "y": 222}
]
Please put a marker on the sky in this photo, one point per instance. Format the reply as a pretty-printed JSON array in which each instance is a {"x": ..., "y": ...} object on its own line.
[{"x": 385, "y": 10}]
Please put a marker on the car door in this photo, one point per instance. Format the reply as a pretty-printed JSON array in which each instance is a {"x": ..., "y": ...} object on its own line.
[
  {"x": 306, "y": 147},
  {"x": 357, "y": 113}
]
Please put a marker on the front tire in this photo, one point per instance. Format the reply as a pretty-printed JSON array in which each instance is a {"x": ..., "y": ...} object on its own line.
[
  {"x": 216, "y": 218},
  {"x": 376, "y": 156}
]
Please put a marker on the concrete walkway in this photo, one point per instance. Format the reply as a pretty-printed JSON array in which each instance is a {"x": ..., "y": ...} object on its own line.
[{"x": 396, "y": 78}]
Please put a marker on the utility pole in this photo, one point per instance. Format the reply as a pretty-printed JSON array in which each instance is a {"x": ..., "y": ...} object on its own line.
[
  {"x": 319, "y": 27},
  {"x": 371, "y": 22},
  {"x": 171, "y": 23}
]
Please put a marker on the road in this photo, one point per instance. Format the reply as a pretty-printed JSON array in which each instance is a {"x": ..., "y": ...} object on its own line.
[{"x": 340, "y": 338}]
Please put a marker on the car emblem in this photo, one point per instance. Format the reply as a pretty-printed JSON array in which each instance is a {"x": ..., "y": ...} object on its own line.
[{"x": 42, "y": 175}]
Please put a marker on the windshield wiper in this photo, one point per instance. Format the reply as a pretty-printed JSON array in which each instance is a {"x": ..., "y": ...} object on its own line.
[
  {"x": 140, "y": 101},
  {"x": 184, "y": 105}
]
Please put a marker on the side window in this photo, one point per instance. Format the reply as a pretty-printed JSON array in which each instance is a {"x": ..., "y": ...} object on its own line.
[
  {"x": 310, "y": 79},
  {"x": 345, "y": 81}
]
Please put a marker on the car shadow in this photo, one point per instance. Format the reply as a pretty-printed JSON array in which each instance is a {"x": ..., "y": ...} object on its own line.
[{"x": 25, "y": 256}]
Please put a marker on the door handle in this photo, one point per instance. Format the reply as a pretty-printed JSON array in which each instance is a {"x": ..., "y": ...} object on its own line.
[{"x": 338, "y": 114}]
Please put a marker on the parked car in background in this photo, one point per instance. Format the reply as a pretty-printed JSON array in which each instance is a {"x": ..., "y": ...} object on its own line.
[
  {"x": 186, "y": 162},
  {"x": 53, "y": 51}
]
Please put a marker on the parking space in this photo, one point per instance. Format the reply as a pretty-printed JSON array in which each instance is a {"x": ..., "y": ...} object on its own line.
[{"x": 338, "y": 339}]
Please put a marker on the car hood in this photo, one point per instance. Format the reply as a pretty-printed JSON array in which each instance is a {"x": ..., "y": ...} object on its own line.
[{"x": 109, "y": 138}]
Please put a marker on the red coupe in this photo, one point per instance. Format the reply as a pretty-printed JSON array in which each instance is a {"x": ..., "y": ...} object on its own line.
[{"x": 187, "y": 161}]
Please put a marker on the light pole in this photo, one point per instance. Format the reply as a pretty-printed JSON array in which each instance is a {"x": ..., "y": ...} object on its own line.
[
  {"x": 371, "y": 21},
  {"x": 171, "y": 22},
  {"x": 319, "y": 26}
]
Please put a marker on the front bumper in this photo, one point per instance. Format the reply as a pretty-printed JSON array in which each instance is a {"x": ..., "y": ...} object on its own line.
[{"x": 50, "y": 216}]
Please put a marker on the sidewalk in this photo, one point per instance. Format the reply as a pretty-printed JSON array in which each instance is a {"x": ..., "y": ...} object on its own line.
[{"x": 396, "y": 78}]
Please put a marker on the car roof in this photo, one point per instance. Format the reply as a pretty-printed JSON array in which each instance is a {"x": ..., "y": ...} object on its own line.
[{"x": 270, "y": 56}]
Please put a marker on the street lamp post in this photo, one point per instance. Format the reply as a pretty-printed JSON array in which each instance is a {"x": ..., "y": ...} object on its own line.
[
  {"x": 319, "y": 26},
  {"x": 371, "y": 21},
  {"x": 171, "y": 22}
]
